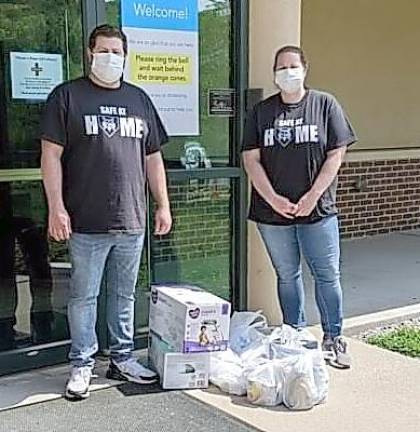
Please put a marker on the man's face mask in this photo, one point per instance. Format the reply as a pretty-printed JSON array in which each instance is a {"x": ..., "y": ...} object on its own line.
[
  {"x": 107, "y": 67},
  {"x": 290, "y": 80}
]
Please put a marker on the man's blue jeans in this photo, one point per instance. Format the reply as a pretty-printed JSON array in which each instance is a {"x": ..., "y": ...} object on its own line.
[
  {"x": 93, "y": 255},
  {"x": 319, "y": 243}
]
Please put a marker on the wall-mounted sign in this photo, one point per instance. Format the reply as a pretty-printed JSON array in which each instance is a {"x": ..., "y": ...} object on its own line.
[
  {"x": 34, "y": 75},
  {"x": 163, "y": 58},
  {"x": 221, "y": 102}
]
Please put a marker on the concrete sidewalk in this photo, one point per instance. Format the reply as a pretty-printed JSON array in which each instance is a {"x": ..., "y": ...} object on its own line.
[
  {"x": 381, "y": 393},
  {"x": 377, "y": 274}
]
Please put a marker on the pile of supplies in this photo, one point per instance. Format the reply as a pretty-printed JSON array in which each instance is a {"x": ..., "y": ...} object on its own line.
[
  {"x": 271, "y": 365},
  {"x": 186, "y": 325},
  {"x": 193, "y": 341}
]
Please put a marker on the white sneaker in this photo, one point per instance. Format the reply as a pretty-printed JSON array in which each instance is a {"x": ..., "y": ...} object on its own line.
[
  {"x": 78, "y": 384},
  {"x": 131, "y": 370}
]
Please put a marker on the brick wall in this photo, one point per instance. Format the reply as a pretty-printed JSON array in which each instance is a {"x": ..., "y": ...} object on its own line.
[
  {"x": 374, "y": 197},
  {"x": 379, "y": 197},
  {"x": 200, "y": 210}
]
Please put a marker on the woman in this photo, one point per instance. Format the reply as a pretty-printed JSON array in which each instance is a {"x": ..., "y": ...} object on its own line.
[{"x": 294, "y": 144}]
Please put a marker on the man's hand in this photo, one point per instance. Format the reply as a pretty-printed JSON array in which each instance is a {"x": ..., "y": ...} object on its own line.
[
  {"x": 163, "y": 220},
  {"x": 306, "y": 204},
  {"x": 59, "y": 226},
  {"x": 284, "y": 207},
  {"x": 157, "y": 183}
]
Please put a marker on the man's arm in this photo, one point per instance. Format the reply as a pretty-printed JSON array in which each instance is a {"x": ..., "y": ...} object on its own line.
[
  {"x": 328, "y": 172},
  {"x": 59, "y": 226},
  {"x": 156, "y": 177},
  {"x": 261, "y": 183}
]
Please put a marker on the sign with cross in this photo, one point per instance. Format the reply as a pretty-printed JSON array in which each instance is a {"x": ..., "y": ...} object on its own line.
[
  {"x": 36, "y": 69},
  {"x": 34, "y": 75}
]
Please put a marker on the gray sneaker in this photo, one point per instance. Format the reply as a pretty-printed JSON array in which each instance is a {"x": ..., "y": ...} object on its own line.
[
  {"x": 131, "y": 370},
  {"x": 336, "y": 351}
]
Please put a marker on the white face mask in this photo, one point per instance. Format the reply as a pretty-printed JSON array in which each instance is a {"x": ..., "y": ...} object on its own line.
[
  {"x": 107, "y": 67},
  {"x": 290, "y": 80}
]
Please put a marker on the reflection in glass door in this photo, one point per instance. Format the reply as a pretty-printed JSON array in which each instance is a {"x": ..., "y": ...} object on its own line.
[
  {"x": 33, "y": 273},
  {"x": 198, "y": 250},
  {"x": 216, "y": 64},
  {"x": 41, "y": 45},
  {"x": 204, "y": 178}
]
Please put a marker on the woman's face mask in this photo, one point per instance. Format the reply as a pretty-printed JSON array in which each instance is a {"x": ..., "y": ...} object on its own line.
[
  {"x": 107, "y": 67},
  {"x": 290, "y": 80}
]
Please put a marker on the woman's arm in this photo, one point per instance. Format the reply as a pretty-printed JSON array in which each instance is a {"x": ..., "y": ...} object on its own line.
[
  {"x": 261, "y": 183},
  {"x": 326, "y": 176}
]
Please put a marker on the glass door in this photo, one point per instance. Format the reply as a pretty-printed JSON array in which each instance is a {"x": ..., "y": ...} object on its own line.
[
  {"x": 41, "y": 45},
  {"x": 207, "y": 190}
]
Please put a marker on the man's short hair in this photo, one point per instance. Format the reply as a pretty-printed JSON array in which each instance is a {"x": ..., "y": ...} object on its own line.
[{"x": 109, "y": 31}]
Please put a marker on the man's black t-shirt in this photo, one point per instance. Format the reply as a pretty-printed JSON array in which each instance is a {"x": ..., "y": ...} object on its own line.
[
  {"x": 106, "y": 134},
  {"x": 294, "y": 140}
]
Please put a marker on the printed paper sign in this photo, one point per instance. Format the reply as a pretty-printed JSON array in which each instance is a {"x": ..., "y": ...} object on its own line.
[
  {"x": 163, "y": 58},
  {"x": 34, "y": 75},
  {"x": 221, "y": 102}
]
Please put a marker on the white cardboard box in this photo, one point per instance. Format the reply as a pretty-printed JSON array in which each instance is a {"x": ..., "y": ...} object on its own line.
[
  {"x": 189, "y": 320},
  {"x": 178, "y": 370}
]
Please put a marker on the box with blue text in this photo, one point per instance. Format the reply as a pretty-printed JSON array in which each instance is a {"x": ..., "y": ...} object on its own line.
[{"x": 189, "y": 319}]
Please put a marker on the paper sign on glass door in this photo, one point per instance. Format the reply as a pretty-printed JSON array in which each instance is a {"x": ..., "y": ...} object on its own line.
[
  {"x": 34, "y": 75},
  {"x": 163, "y": 58}
]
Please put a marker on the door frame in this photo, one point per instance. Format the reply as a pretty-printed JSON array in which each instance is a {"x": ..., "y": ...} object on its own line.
[
  {"x": 93, "y": 14},
  {"x": 55, "y": 352},
  {"x": 239, "y": 202}
]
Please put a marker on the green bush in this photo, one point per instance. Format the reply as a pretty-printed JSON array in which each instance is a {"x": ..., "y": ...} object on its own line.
[{"x": 405, "y": 340}]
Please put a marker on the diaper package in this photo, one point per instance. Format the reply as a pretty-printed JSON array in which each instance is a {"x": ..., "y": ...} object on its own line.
[{"x": 188, "y": 319}]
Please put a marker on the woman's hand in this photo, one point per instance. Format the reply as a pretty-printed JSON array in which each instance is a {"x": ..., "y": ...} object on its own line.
[
  {"x": 306, "y": 204},
  {"x": 284, "y": 207}
]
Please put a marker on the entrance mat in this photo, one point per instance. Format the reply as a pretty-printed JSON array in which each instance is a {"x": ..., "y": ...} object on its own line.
[{"x": 125, "y": 408}]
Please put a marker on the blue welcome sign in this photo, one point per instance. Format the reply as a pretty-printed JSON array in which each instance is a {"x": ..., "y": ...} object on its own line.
[{"x": 160, "y": 14}]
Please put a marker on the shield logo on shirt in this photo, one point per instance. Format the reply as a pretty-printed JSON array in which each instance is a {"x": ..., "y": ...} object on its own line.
[
  {"x": 110, "y": 125},
  {"x": 284, "y": 135}
]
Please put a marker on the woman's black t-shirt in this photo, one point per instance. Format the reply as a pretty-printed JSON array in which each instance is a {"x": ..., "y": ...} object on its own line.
[{"x": 294, "y": 140}]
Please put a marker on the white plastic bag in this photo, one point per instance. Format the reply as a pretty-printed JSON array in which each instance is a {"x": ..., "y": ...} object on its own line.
[
  {"x": 285, "y": 335},
  {"x": 319, "y": 368},
  {"x": 265, "y": 385},
  {"x": 279, "y": 351},
  {"x": 227, "y": 372},
  {"x": 300, "y": 392},
  {"x": 257, "y": 352},
  {"x": 306, "y": 375},
  {"x": 307, "y": 340},
  {"x": 242, "y": 326},
  {"x": 321, "y": 376}
]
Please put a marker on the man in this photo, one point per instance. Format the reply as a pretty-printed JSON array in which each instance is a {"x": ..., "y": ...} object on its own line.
[{"x": 101, "y": 138}]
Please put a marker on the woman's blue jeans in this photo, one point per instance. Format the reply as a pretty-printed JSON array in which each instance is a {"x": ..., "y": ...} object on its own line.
[{"x": 319, "y": 243}]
